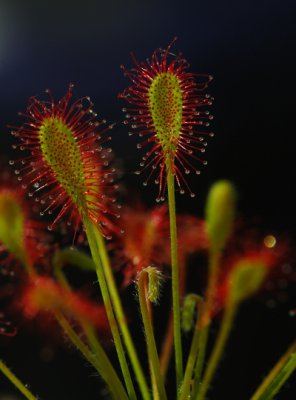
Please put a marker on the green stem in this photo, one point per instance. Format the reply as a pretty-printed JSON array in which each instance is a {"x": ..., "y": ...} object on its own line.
[
  {"x": 222, "y": 337},
  {"x": 280, "y": 379},
  {"x": 72, "y": 257},
  {"x": 155, "y": 392},
  {"x": 194, "y": 349},
  {"x": 16, "y": 382},
  {"x": 107, "y": 371},
  {"x": 151, "y": 345},
  {"x": 168, "y": 341},
  {"x": 175, "y": 278},
  {"x": 203, "y": 340},
  {"x": 83, "y": 261},
  {"x": 167, "y": 346},
  {"x": 91, "y": 236},
  {"x": 214, "y": 259},
  {"x": 121, "y": 317},
  {"x": 277, "y": 370},
  {"x": 101, "y": 362}
]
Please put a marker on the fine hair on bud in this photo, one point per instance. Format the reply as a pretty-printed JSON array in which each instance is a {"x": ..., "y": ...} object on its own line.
[
  {"x": 191, "y": 303},
  {"x": 154, "y": 283}
]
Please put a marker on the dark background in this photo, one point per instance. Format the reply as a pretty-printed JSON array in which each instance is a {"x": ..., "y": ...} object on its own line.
[{"x": 248, "y": 46}]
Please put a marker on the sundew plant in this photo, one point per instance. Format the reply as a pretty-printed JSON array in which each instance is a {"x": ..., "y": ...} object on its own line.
[{"x": 63, "y": 175}]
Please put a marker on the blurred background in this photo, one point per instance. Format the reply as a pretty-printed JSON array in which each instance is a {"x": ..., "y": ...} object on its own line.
[{"x": 248, "y": 46}]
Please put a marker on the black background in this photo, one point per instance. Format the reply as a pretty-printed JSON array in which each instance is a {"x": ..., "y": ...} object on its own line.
[{"x": 248, "y": 46}]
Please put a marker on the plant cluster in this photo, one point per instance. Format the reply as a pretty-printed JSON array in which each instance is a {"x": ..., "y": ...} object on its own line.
[{"x": 67, "y": 174}]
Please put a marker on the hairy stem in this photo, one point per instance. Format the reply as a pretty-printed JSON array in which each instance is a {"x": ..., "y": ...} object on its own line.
[
  {"x": 156, "y": 376},
  {"x": 100, "y": 362},
  {"x": 122, "y": 322},
  {"x": 84, "y": 262},
  {"x": 91, "y": 236}
]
